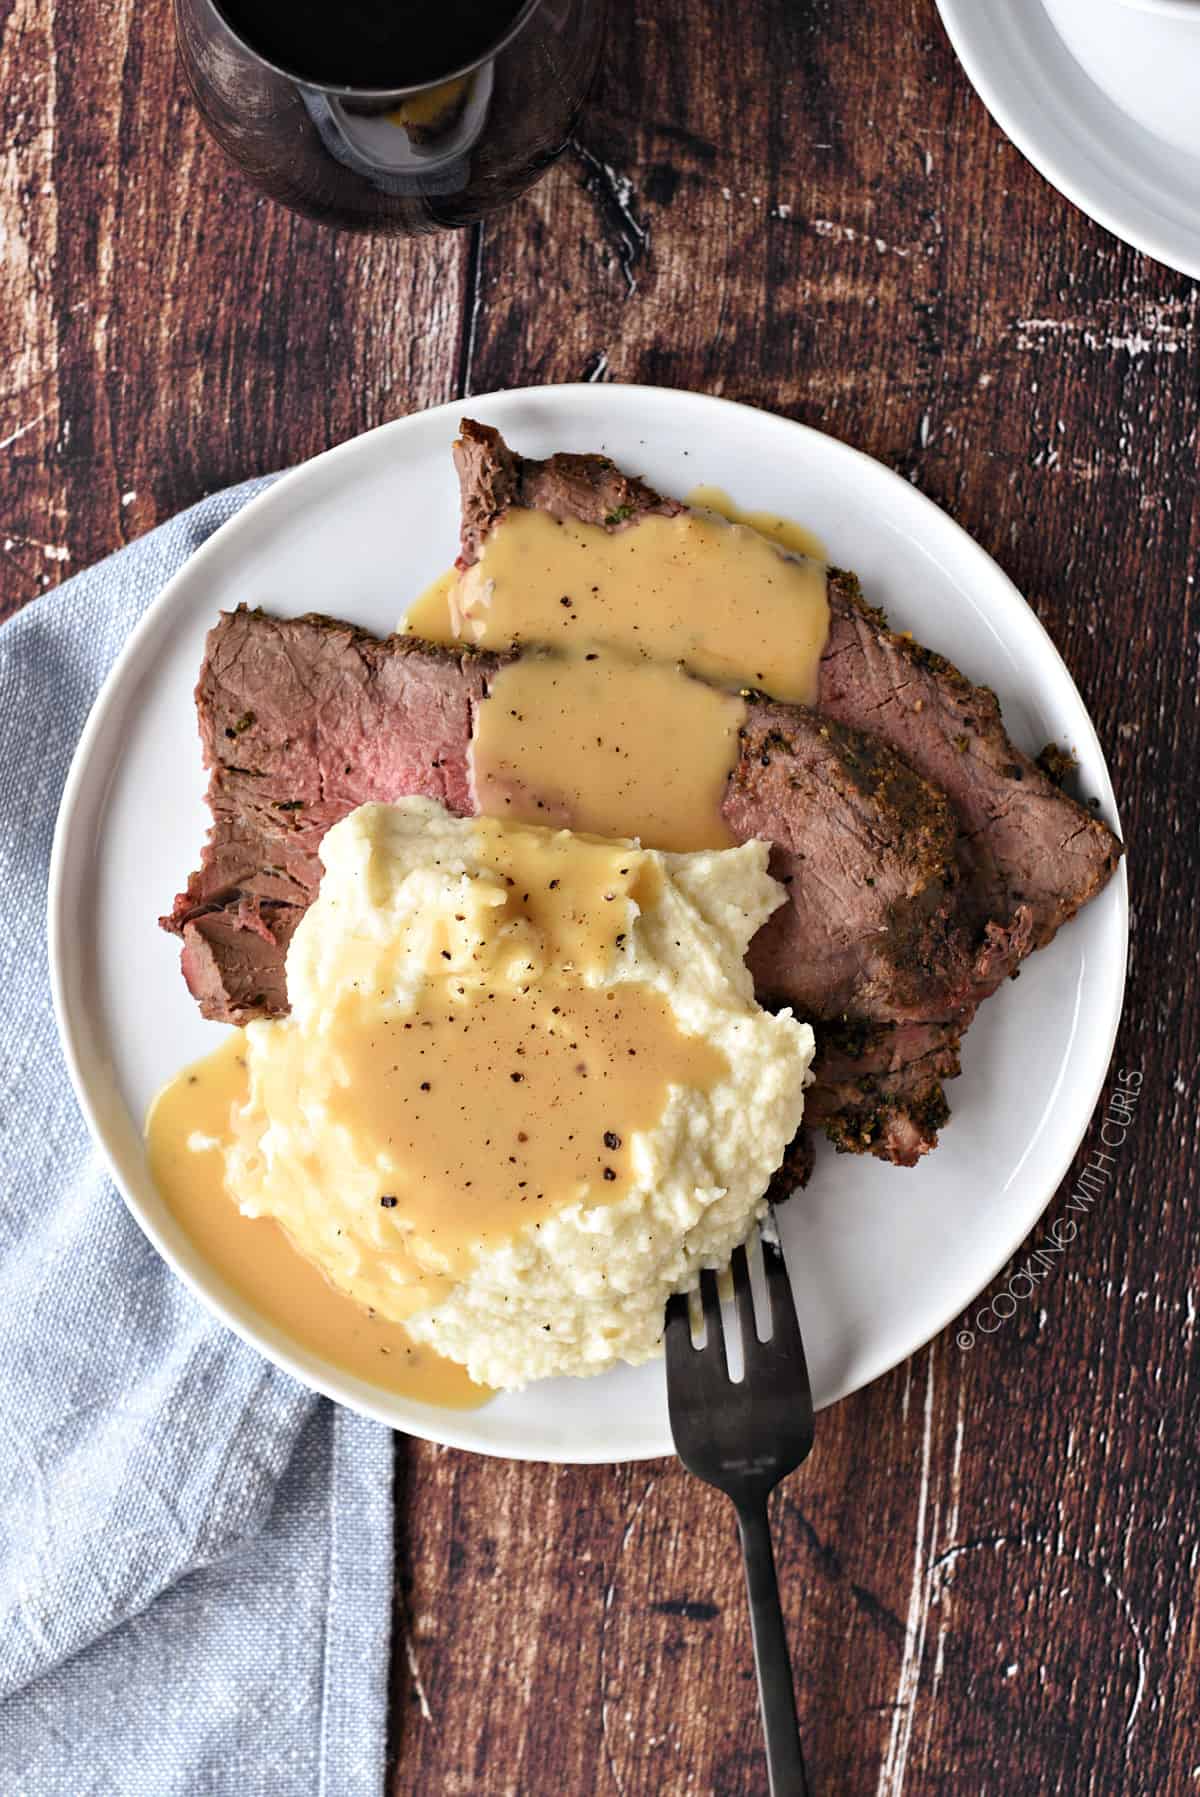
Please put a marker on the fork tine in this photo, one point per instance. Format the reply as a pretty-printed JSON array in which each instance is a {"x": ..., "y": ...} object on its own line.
[
  {"x": 678, "y": 1345},
  {"x": 714, "y": 1334},
  {"x": 785, "y": 1324},
  {"x": 739, "y": 1267},
  {"x": 784, "y": 1319},
  {"x": 684, "y": 1370},
  {"x": 677, "y": 1313}
]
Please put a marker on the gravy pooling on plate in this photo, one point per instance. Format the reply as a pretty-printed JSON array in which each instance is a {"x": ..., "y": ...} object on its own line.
[
  {"x": 796, "y": 538},
  {"x": 188, "y": 1131},
  {"x": 621, "y": 715}
]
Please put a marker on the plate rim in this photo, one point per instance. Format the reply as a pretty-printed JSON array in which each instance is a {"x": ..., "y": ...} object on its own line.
[
  {"x": 442, "y": 1427},
  {"x": 958, "y": 22}
]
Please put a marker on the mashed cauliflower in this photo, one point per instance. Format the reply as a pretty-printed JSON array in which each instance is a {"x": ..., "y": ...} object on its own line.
[{"x": 408, "y": 889}]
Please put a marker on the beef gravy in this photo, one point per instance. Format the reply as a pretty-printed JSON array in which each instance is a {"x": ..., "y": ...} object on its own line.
[{"x": 189, "y": 1123}]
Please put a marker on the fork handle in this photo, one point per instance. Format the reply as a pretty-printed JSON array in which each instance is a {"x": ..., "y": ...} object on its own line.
[{"x": 776, "y": 1697}]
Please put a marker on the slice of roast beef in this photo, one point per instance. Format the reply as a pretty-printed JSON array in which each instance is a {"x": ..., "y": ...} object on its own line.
[
  {"x": 590, "y": 488},
  {"x": 866, "y": 849},
  {"x": 876, "y": 1089},
  {"x": 302, "y": 719},
  {"x": 879, "y": 1089},
  {"x": 1031, "y": 854}
]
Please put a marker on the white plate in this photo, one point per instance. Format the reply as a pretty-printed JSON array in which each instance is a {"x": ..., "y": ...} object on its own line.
[
  {"x": 1101, "y": 96},
  {"x": 881, "y": 1258}
]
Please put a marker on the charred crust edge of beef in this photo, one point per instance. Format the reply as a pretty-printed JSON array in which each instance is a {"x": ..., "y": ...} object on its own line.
[
  {"x": 398, "y": 642},
  {"x": 1053, "y": 761},
  {"x": 794, "y": 1170},
  {"x": 588, "y": 488},
  {"x": 879, "y": 1129},
  {"x": 1057, "y": 763}
]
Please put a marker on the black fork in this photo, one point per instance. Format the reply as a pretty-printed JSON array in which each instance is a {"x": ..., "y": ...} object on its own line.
[{"x": 744, "y": 1439}]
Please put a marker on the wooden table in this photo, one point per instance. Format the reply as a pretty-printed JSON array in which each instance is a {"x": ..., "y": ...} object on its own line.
[{"x": 990, "y": 1562}]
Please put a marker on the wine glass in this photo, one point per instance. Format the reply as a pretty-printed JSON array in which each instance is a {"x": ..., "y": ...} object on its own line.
[{"x": 391, "y": 117}]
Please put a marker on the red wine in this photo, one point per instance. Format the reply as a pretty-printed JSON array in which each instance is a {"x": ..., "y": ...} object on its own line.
[{"x": 380, "y": 44}]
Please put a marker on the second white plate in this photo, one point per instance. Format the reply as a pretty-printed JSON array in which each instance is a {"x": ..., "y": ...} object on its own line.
[{"x": 1101, "y": 96}]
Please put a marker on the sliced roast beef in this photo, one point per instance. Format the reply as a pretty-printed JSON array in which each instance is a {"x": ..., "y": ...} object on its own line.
[
  {"x": 1028, "y": 855},
  {"x": 1032, "y": 855},
  {"x": 303, "y": 719},
  {"x": 879, "y": 1089}
]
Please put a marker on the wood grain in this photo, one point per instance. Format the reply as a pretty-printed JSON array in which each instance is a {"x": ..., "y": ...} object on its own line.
[{"x": 989, "y": 1564}]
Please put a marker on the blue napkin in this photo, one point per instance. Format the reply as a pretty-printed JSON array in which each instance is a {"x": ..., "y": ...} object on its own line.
[{"x": 195, "y": 1553}]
